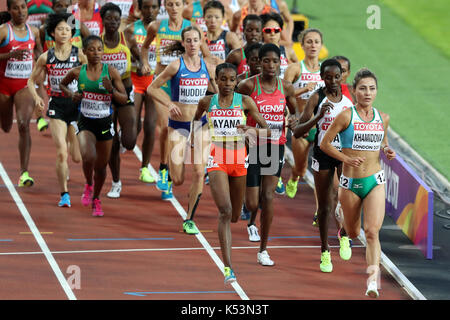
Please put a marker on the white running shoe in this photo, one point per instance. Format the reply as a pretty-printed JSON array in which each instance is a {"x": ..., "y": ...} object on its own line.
[
  {"x": 264, "y": 259},
  {"x": 253, "y": 235},
  {"x": 116, "y": 187},
  {"x": 372, "y": 289}
]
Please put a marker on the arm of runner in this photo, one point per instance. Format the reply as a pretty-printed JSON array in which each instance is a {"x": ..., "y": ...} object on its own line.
[
  {"x": 212, "y": 85},
  {"x": 151, "y": 34},
  {"x": 115, "y": 86},
  {"x": 202, "y": 107},
  {"x": 388, "y": 152},
  {"x": 287, "y": 17},
  {"x": 233, "y": 40},
  {"x": 37, "y": 73},
  {"x": 73, "y": 74},
  {"x": 236, "y": 21},
  {"x": 245, "y": 86},
  {"x": 306, "y": 120},
  {"x": 158, "y": 94},
  {"x": 187, "y": 11},
  {"x": 249, "y": 105},
  {"x": 84, "y": 30},
  {"x": 38, "y": 46},
  {"x": 132, "y": 44},
  {"x": 340, "y": 123}
]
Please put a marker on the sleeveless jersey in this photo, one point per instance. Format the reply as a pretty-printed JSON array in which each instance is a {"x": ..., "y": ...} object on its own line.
[
  {"x": 94, "y": 25},
  {"x": 346, "y": 91},
  {"x": 324, "y": 123},
  {"x": 222, "y": 122},
  {"x": 57, "y": 69},
  {"x": 187, "y": 86},
  {"x": 124, "y": 5},
  {"x": 244, "y": 13},
  {"x": 361, "y": 135},
  {"x": 139, "y": 34},
  {"x": 38, "y": 10},
  {"x": 274, "y": 5},
  {"x": 197, "y": 15},
  {"x": 283, "y": 61},
  {"x": 165, "y": 37},
  {"x": 219, "y": 47},
  {"x": 96, "y": 101},
  {"x": 76, "y": 40},
  {"x": 242, "y": 67},
  {"x": 118, "y": 57},
  {"x": 14, "y": 68},
  {"x": 271, "y": 106},
  {"x": 305, "y": 77}
]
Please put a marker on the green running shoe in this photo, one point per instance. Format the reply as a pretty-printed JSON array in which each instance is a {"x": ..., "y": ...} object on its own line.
[
  {"x": 146, "y": 176},
  {"x": 189, "y": 227},
  {"x": 230, "y": 277},
  {"x": 291, "y": 188},
  {"x": 25, "y": 180},
  {"x": 42, "y": 124},
  {"x": 345, "y": 250},
  {"x": 325, "y": 262}
]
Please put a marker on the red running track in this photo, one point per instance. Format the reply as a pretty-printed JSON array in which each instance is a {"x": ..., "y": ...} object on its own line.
[{"x": 138, "y": 250}]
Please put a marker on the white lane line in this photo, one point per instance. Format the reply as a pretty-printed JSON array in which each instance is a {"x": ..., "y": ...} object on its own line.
[
  {"x": 163, "y": 249},
  {"x": 199, "y": 236},
  {"x": 37, "y": 235}
]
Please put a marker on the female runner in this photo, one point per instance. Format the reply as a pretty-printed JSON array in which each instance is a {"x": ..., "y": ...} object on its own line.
[
  {"x": 363, "y": 133},
  {"x": 227, "y": 162}
]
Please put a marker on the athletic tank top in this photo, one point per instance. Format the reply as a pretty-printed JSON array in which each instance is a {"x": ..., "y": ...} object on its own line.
[
  {"x": 197, "y": 15},
  {"x": 346, "y": 91},
  {"x": 242, "y": 67},
  {"x": 165, "y": 37},
  {"x": 305, "y": 77},
  {"x": 188, "y": 87},
  {"x": 219, "y": 47},
  {"x": 76, "y": 40},
  {"x": 96, "y": 101},
  {"x": 244, "y": 13},
  {"x": 94, "y": 25},
  {"x": 361, "y": 135},
  {"x": 124, "y": 5},
  {"x": 140, "y": 33},
  {"x": 283, "y": 61},
  {"x": 13, "y": 68},
  {"x": 118, "y": 57},
  {"x": 57, "y": 69},
  {"x": 271, "y": 106},
  {"x": 223, "y": 122},
  {"x": 324, "y": 123},
  {"x": 37, "y": 11},
  {"x": 274, "y": 5}
]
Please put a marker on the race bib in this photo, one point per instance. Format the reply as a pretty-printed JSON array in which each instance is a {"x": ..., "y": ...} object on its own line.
[{"x": 95, "y": 105}]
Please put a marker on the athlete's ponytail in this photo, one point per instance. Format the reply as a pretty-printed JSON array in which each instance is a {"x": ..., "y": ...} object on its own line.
[{"x": 177, "y": 47}]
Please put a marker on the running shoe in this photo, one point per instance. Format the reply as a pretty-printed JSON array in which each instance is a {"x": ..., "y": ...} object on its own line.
[
  {"x": 280, "y": 189},
  {"x": 230, "y": 277},
  {"x": 206, "y": 177},
  {"x": 245, "y": 214},
  {"x": 345, "y": 250},
  {"x": 167, "y": 195},
  {"x": 162, "y": 183},
  {"x": 116, "y": 188},
  {"x": 291, "y": 188},
  {"x": 42, "y": 124},
  {"x": 372, "y": 289},
  {"x": 253, "y": 235},
  {"x": 97, "y": 208},
  {"x": 264, "y": 259},
  {"x": 65, "y": 201},
  {"x": 146, "y": 176},
  {"x": 86, "y": 198},
  {"x": 315, "y": 220},
  {"x": 189, "y": 227},
  {"x": 25, "y": 180},
  {"x": 325, "y": 262}
]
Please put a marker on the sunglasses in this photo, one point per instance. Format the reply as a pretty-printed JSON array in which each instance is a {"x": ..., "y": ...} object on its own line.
[{"x": 271, "y": 30}]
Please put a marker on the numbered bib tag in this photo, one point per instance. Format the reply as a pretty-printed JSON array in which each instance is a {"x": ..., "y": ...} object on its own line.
[
  {"x": 379, "y": 177},
  {"x": 344, "y": 182},
  {"x": 315, "y": 165}
]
